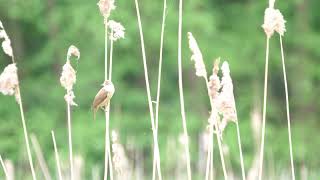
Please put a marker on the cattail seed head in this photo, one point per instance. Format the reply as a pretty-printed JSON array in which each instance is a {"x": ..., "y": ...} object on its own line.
[
  {"x": 197, "y": 56},
  {"x": 273, "y": 21},
  {"x": 73, "y": 51},
  {"x": 9, "y": 80},
  {"x": 6, "y": 44},
  {"x": 69, "y": 98},
  {"x": 105, "y": 7},
  {"x": 117, "y": 30},
  {"x": 68, "y": 76}
]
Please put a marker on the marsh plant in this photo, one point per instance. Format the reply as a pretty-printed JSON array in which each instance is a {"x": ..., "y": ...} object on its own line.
[{"x": 118, "y": 163}]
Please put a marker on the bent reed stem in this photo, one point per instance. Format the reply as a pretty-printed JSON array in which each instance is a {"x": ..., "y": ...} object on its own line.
[
  {"x": 56, "y": 155},
  {"x": 183, "y": 113},
  {"x": 152, "y": 119},
  {"x": 287, "y": 108},
  {"x": 265, "y": 92},
  {"x": 26, "y": 137}
]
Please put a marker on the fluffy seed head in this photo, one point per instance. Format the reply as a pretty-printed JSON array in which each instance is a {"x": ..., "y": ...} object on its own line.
[
  {"x": 227, "y": 105},
  {"x": 9, "y": 80},
  {"x": 105, "y": 7},
  {"x": 68, "y": 76},
  {"x": 273, "y": 21},
  {"x": 117, "y": 30},
  {"x": 69, "y": 98},
  {"x": 214, "y": 81},
  {"x": 73, "y": 51},
  {"x": 6, "y": 44},
  {"x": 197, "y": 56}
]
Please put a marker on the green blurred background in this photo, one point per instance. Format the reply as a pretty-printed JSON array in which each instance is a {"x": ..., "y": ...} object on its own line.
[{"x": 42, "y": 31}]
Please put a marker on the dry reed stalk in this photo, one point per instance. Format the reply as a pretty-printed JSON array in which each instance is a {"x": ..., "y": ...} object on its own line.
[
  {"x": 105, "y": 7},
  {"x": 183, "y": 113},
  {"x": 159, "y": 77},
  {"x": 117, "y": 32},
  {"x": 214, "y": 118},
  {"x": 287, "y": 108},
  {"x": 56, "y": 155},
  {"x": 152, "y": 119},
  {"x": 4, "y": 168},
  {"x": 108, "y": 160},
  {"x": 14, "y": 89},
  {"x": 70, "y": 141},
  {"x": 43, "y": 165},
  {"x": 265, "y": 91},
  {"x": 243, "y": 173},
  {"x": 274, "y": 22},
  {"x": 67, "y": 80}
]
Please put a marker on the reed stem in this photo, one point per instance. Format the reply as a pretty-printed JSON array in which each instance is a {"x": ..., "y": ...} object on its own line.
[
  {"x": 70, "y": 140},
  {"x": 265, "y": 92},
  {"x": 56, "y": 155},
  {"x": 183, "y": 113},
  {"x": 4, "y": 168},
  {"x": 152, "y": 119},
  {"x": 26, "y": 137},
  {"x": 287, "y": 108}
]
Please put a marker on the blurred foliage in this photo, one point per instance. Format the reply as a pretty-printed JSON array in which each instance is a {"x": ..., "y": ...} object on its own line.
[{"x": 41, "y": 32}]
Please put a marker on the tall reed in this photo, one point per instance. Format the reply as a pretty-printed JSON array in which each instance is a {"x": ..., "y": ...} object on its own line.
[
  {"x": 9, "y": 85},
  {"x": 116, "y": 32},
  {"x": 56, "y": 155},
  {"x": 67, "y": 80},
  {"x": 181, "y": 96},
  {"x": 213, "y": 93},
  {"x": 287, "y": 109},
  {"x": 274, "y": 22},
  {"x": 152, "y": 117},
  {"x": 105, "y": 7},
  {"x": 159, "y": 79}
]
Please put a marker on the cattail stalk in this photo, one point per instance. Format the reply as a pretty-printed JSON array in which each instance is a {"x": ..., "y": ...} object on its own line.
[
  {"x": 183, "y": 113},
  {"x": 265, "y": 92},
  {"x": 243, "y": 173},
  {"x": 110, "y": 58},
  {"x": 39, "y": 155},
  {"x": 56, "y": 155},
  {"x": 70, "y": 140},
  {"x": 6, "y": 46},
  {"x": 4, "y": 168},
  {"x": 25, "y": 133},
  {"x": 159, "y": 77},
  {"x": 154, "y": 130},
  {"x": 287, "y": 108},
  {"x": 108, "y": 157},
  {"x": 106, "y": 49}
]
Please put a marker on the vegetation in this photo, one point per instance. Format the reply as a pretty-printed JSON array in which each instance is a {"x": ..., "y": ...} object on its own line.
[{"x": 42, "y": 31}]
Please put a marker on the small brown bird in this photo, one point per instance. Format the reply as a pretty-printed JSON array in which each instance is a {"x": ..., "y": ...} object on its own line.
[{"x": 103, "y": 97}]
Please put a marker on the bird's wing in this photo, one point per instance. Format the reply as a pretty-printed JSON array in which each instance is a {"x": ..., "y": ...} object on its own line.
[{"x": 100, "y": 97}]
